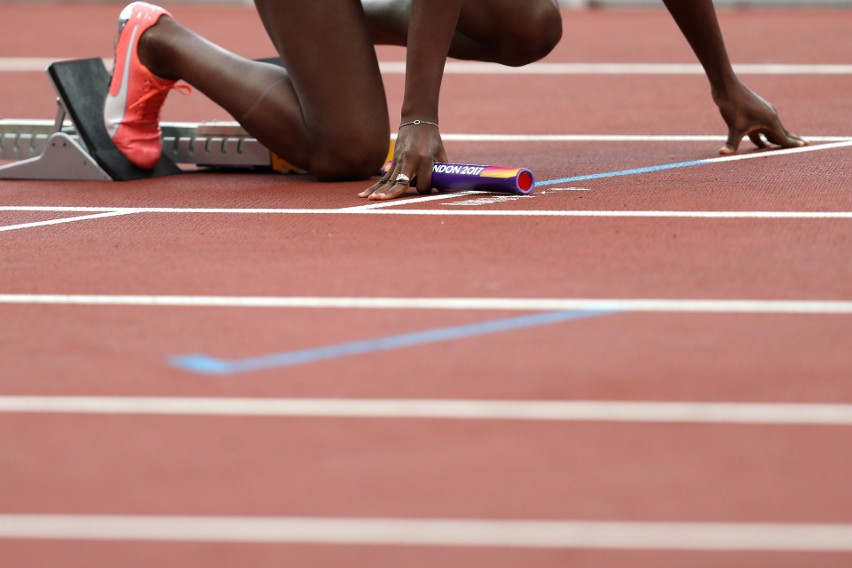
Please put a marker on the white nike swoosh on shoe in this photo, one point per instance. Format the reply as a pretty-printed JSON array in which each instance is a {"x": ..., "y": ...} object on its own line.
[{"x": 116, "y": 105}]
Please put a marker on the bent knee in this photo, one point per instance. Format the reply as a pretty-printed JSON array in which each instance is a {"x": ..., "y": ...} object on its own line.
[
  {"x": 349, "y": 158},
  {"x": 534, "y": 35}
]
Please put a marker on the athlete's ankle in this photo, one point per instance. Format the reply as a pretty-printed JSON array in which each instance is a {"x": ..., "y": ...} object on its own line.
[{"x": 153, "y": 49}]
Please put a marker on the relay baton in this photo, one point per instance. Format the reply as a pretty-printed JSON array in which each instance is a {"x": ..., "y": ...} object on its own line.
[{"x": 470, "y": 177}]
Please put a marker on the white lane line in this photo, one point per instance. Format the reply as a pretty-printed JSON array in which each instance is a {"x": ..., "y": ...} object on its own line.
[
  {"x": 435, "y": 532},
  {"x": 411, "y": 201},
  {"x": 30, "y": 64},
  {"x": 110, "y": 213},
  {"x": 694, "y": 163},
  {"x": 514, "y": 138},
  {"x": 476, "y": 68},
  {"x": 385, "y": 208},
  {"x": 812, "y": 414},
  {"x": 615, "y": 214},
  {"x": 780, "y": 152},
  {"x": 26, "y": 64},
  {"x": 813, "y": 307},
  {"x": 823, "y": 215}
]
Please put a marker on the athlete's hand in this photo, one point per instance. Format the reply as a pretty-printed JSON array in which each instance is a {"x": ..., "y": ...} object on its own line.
[
  {"x": 748, "y": 114},
  {"x": 417, "y": 148}
]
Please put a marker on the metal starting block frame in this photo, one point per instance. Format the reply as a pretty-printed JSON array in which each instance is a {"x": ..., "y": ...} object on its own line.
[{"x": 76, "y": 146}]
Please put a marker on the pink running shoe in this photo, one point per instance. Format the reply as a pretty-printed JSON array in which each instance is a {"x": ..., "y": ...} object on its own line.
[{"x": 132, "y": 108}]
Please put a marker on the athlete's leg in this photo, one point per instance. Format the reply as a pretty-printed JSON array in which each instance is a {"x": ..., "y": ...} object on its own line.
[
  {"x": 511, "y": 32},
  {"x": 326, "y": 112}
]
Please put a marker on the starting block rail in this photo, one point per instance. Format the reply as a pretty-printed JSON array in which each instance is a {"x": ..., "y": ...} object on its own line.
[
  {"x": 76, "y": 146},
  {"x": 35, "y": 148}
]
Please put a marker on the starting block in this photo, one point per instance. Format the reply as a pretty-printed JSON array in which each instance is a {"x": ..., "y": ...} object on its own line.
[{"x": 76, "y": 146}]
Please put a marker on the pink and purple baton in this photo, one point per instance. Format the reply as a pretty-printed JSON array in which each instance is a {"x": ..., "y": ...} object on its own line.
[{"x": 470, "y": 177}]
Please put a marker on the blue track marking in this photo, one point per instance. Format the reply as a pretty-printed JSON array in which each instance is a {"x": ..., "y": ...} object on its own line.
[
  {"x": 205, "y": 364},
  {"x": 634, "y": 171}
]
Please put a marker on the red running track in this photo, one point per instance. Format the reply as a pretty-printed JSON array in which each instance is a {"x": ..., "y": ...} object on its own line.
[{"x": 73, "y": 476}]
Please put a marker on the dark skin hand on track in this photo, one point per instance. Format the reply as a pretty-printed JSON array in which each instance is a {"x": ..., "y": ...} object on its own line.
[{"x": 331, "y": 120}]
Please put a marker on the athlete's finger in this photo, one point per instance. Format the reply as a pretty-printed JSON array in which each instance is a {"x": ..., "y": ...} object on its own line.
[
  {"x": 757, "y": 139},
  {"x": 781, "y": 137},
  {"x": 383, "y": 181},
  {"x": 424, "y": 178},
  {"x": 733, "y": 143},
  {"x": 397, "y": 185}
]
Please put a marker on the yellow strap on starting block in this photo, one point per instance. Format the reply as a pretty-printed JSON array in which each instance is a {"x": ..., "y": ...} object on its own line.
[{"x": 281, "y": 165}]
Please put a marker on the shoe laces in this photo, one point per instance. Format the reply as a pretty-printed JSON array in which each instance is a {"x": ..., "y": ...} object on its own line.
[{"x": 148, "y": 106}]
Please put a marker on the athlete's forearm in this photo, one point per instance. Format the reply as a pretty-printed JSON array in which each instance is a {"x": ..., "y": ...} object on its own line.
[
  {"x": 431, "y": 27},
  {"x": 699, "y": 25}
]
